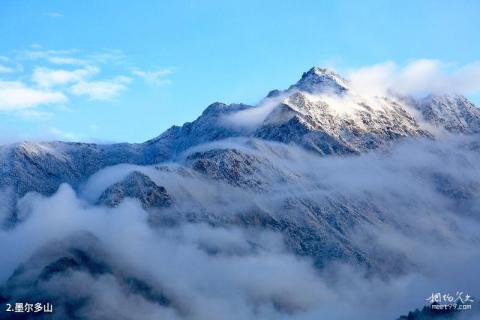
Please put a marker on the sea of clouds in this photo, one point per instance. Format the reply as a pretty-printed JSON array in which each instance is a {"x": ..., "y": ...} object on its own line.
[{"x": 429, "y": 192}]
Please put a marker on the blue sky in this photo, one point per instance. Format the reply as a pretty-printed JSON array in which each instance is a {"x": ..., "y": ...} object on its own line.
[{"x": 128, "y": 70}]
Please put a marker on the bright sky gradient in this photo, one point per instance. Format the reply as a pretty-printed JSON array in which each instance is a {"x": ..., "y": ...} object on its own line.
[{"x": 116, "y": 70}]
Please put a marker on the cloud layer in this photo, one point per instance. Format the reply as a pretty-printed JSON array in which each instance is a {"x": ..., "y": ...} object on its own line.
[
  {"x": 15, "y": 95},
  {"x": 419, "y": 77},
  {"x": 238, "y": 272},
  {"x": 57, "y": 76}
]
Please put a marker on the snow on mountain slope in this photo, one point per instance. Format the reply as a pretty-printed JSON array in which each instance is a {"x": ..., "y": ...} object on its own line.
[
  {"x": 338, "y": 125},
  {"x": 454, "y": 113},
  {"x": 139, "y": 186},
  {"x": 318, "y": 113},
  {"x": 205, "y": 128},
  {"x": 42, "y": 166},
  {"x": 318, "y": 80},
  {"x": 247, "y": 206}
]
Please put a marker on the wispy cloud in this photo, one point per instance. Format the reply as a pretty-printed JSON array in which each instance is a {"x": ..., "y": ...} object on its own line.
[
  {"x": 67, "y": 60},
  {"x": 7, "y": 65},
  {"x": 418, "y": 77},
  {"x": 101, "y": 89},
  {"x": 38, "y": 53},
  {"x": 155, "y": 77},
  {"x": 73, "y": 56},
  {"x": 62, "y": 134},
  {"x": 53, "y": 14},
  {"x": 46, "y": 77},
  {"x": 53, "y": 76},
  {"x": 33, "y": 114},
  {"x": 114, "y": 56},
  {"x": 5, "y": 69},
  {"x": 15, "y": 95}
]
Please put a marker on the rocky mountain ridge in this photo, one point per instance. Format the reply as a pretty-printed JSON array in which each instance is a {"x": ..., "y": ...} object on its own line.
[{"x": 316, "y": 113}]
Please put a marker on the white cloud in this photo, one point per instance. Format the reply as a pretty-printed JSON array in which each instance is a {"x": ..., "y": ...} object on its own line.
[
  {"x": 67, "y": 60},
  {"x": 101, "y": 89},
  {"x": 61, "y": 134},
  {"x": 156, "y": 77},
  {"x": 15, "y": 95},
  {"x": 419, "y": 77},
  {"x": 9, "y": 66},
  {"x": 34, "y": 114},
  {"x": 253, "y": 117},
  {"x": 53, "y": 14},
  {"x": 58, "y": 74},
  {"x": 5, "y": 69},
  {"x": 45, "y": 77},
  {"x": 73, "y": 56},
  {"x": 37, "y": 53},
  {"x": 114, "y": 56},
  {"x": 60, "y": 57}
]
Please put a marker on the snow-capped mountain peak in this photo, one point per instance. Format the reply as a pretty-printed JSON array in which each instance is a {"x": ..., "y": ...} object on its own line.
[
  {"x": 454, "y": 113},
  {"x": 318, "y": 80}
]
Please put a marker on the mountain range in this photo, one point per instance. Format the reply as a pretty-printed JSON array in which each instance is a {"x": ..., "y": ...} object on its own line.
[
  {"x": 273, "y": 166},
  {"x": 317, "y": 113}
]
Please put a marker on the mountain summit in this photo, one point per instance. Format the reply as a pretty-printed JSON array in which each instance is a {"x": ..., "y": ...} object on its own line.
[{"x": 318, "y": 80}]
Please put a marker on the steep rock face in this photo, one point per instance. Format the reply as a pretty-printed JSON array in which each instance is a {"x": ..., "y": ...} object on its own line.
[
  {"x": 321, "y": 114},
  {"x": 287, "y": 125},
  {"x": 42, "y": 167},
  {"x": 453, "y": 113},
  {"x": 323, "y": 126},
  {"x": 206, "y": 128},
  {"x": 139, "y": 186},
  {"x": 234, "y": 167},
  {"x": 318, "y": 80}
]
